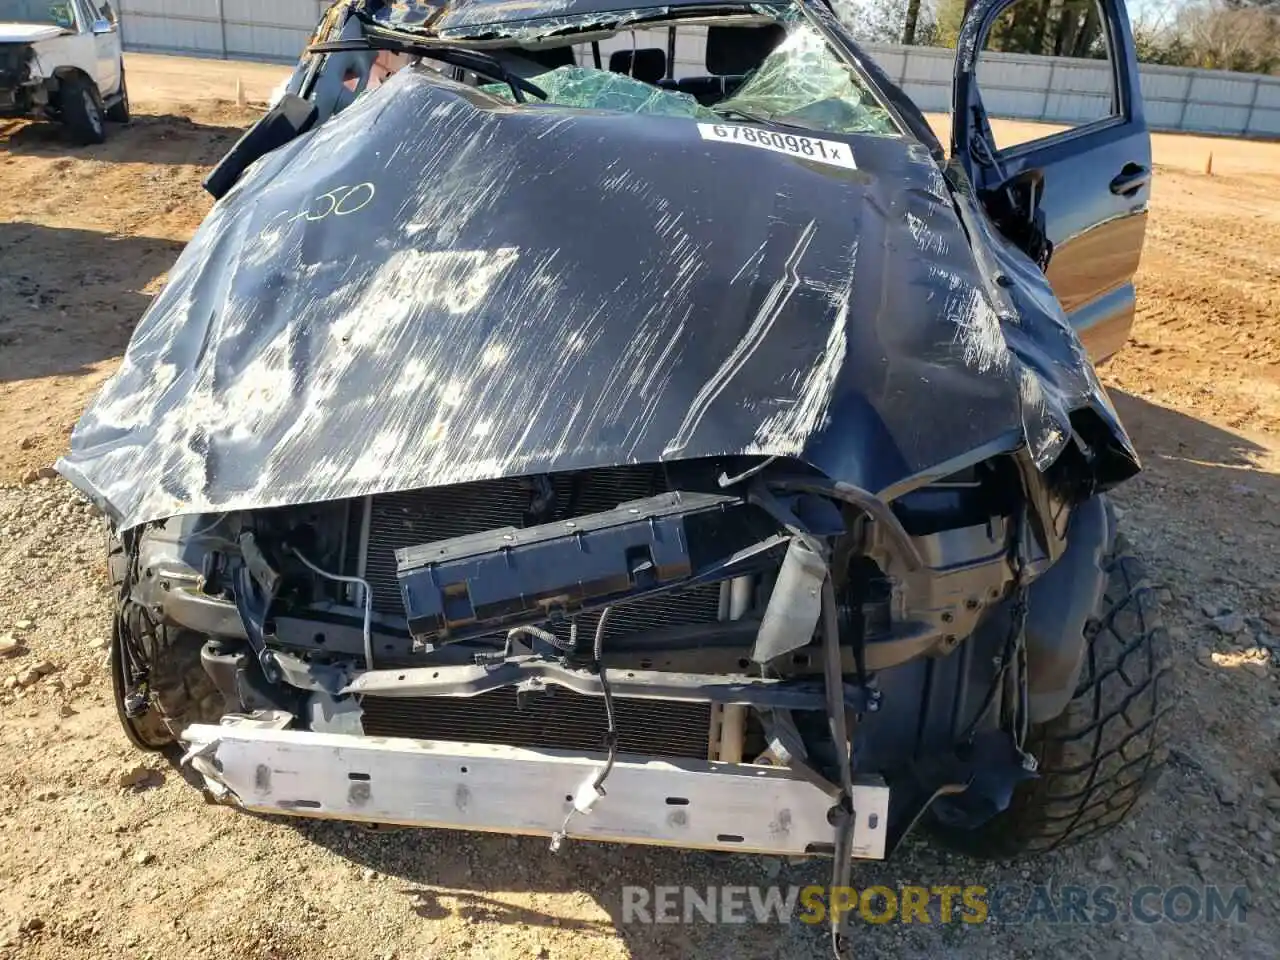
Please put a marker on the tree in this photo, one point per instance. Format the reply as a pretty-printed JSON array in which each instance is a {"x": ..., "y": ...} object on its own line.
[
  {"x": 1268, "y": 6},
  {"x": 1060, "y": 28},
  {"x": 1221, "y": 37},
  {"x": 912, "y": 21},
  {"x": 872, "y": 21},
  {"x": 947, "y": 20},
  {"x": 1240, "y": 35},
  {"x": 1080, "y": 31},
  {"x": 1160, "y": 44}
]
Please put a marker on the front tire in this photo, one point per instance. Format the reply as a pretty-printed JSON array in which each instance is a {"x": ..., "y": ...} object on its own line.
[
  {"x": 1108, "y": 747},
  {"x": 81, "y": 109}
]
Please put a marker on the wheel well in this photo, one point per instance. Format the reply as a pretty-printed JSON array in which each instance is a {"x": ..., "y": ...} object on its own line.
[{"x": 64, "y": 74}]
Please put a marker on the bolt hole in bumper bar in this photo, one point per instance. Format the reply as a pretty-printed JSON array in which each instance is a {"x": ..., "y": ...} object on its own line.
[{"x": 499, "y": 789}]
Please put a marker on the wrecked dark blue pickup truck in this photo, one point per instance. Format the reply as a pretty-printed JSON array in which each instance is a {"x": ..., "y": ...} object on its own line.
[{"x": 534, "y": 443}]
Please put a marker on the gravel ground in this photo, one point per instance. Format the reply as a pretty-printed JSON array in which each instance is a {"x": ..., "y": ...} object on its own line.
[{"x": 110, "y": 852}]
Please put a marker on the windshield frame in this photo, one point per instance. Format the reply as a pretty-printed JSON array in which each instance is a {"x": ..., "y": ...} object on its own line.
[{"x": 577, "y": 28}]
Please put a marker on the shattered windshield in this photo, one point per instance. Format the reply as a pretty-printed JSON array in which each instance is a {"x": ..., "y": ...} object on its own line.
[
  {"x": 763, "y": 64},
  {"x": 803, "y": 82},
  {"x": 592, "y": 89}
]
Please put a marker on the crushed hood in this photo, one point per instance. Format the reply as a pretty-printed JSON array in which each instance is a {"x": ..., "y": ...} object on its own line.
[
  {"x": 435, "y": 287},
  {"x": 28, "y": 32}
]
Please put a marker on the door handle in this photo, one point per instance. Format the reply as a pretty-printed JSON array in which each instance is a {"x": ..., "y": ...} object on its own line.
[{"x": 1132, "y": 178}]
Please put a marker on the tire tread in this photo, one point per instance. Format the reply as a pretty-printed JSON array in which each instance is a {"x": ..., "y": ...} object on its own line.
[{"x": 1109, "y": 746}]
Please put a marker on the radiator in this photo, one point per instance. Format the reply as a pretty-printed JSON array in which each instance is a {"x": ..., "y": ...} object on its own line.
[{"x": 557, "y": 719}]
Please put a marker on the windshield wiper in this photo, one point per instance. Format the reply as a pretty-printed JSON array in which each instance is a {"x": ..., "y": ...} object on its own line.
[
  {"x": 477, "y": 62},
  {"x": 756, "y": 118}
]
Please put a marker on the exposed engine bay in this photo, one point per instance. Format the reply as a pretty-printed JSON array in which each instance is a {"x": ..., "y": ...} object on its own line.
[
  {"x": 634, "y": 453},
  {"x": 705, "y": 610}
]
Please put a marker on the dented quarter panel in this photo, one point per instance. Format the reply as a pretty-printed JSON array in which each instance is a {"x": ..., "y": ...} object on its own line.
[{"x": 437, "y": 287}]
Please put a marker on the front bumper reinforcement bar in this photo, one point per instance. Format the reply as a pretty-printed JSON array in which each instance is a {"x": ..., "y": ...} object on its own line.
[{"x": 494, "y": 788}]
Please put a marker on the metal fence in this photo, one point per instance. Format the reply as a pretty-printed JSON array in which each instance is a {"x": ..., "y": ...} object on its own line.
[
  {"x": 1051, "y": 89},
  {"x": 1065, "y": 90},
  {"x": 273, "y": 30}
]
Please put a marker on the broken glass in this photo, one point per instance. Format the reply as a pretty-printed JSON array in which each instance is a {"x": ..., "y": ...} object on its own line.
[
  {"x": 803, "y": 82},
  {"x": 404, "y": 14},
  {"x": 593, "y": 89}
]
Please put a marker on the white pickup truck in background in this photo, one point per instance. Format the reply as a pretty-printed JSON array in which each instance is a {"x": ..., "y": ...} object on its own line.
[{"x": 63, "y": 61}]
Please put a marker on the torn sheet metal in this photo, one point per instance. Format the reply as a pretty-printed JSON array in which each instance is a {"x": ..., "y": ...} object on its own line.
[{"x": 437, "y": 287}]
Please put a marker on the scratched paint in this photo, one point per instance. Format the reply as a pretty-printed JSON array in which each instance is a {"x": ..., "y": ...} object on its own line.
[{"x": 529, "y": 291}]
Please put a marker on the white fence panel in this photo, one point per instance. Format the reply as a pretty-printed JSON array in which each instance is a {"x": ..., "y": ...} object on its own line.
[
  {"x": 1165, "y": 83},
  {"x": 1165, "y": 114},
  {"x": 892, "y": 60},
  {"x": 1005, "y": 72},
  {"x": 266, "y": 42},
  {"x": 298, "y": 14},
  {"x": 1266, "y": 123},
  {"x": 1076, "y": 108},
  {"x": 1268, "y": 93},
  {"x": 1214, "y": 118},
  {"x": 1055, "y": 90},
  {"x": 173, "y": 9},
  {"x": 923, "y": 72},
  {"x": 172, "y": 35},
  {"x": 1219, "y": 88},
  {"x": 239, "y": 29}
]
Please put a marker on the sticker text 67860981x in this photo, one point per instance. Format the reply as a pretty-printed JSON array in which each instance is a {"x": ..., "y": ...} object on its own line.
[{"x": 831, "y": 152}]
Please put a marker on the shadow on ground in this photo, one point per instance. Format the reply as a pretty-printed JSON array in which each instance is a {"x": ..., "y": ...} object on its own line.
[
  {"x": 445, "y": 873},
  {"x": 60, "y": 320},
  {"x": 148, "y": 138},
  {"x": 1175, "y": 445}
]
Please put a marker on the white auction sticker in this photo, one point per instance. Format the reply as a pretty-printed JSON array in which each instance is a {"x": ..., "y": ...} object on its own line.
[{"x": 806, "y": 148}]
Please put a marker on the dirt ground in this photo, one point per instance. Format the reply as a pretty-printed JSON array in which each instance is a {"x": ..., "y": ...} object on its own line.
[{"x": 91, "y": 868}]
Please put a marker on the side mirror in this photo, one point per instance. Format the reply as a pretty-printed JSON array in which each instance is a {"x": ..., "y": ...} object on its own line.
[{"x": 103, "y": 26}]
